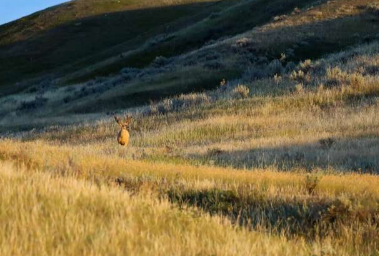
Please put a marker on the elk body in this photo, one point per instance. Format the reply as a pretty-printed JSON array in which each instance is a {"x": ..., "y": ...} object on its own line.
[{"x": 123, "y": 135}]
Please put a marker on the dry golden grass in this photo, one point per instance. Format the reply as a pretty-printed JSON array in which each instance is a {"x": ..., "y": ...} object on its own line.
[
  {"x": 295, "y": 170},
  {"x": 44, "y": 215},
  {"x": 343, "y": 208},
  {"x": 90, "y": 162}
]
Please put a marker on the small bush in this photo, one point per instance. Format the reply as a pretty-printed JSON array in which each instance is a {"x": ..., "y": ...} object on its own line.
[
  {"x": 252, "y": 74},
  {"x": 240, "y": 92},
  {"x": 160, "y": 61},
  {"x": 153, "y": 108},
  {"x": 38, "y": 102},
  {"x": 277, "y": 79},
  {"x": 327, "y": 143},
  {"x": 296, "y": 11},
  {"x": 306, "y": 66},
  {"x": 243, "y": 42},
  {"x": 280, "y": 17},
  {"x": 178, "y": 103},
  {"x": 168, "y": 105},
  {"x": 67, "y": 99},
  {"x": 274, "y": 68},
  {"x": 357, "y": 81},
  {"x": 192, "y": 99},
  {"x": 290, "y": 67},
  {"x": 335, "y": 76},
  {"x": 300, "y": 76}
]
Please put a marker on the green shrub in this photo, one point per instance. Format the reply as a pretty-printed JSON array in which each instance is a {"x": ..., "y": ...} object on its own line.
[{"x": 274, "y": 68}]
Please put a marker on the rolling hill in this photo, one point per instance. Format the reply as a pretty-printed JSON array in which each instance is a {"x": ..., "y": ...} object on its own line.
[
  {"x": 106, "y": 55},
  {"x": 80, "y": 33},
  {"x": 255, "y": 128}
]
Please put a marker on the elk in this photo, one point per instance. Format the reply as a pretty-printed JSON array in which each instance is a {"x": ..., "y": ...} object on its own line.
[{"x": 123, "y": 135}]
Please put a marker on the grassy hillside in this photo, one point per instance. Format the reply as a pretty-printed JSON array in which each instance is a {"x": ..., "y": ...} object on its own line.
[
  {"x": 290, "y": 160},
  {"x": 80, "y": 30},
  {"x": 49, "y": 44},
  {"x": 255, "y": 132},
  {"x": 189, "y": 51}
]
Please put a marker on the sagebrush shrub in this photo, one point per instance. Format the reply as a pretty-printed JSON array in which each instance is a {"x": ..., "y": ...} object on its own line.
[
  {"x": 306, "y": 66},
  {"x": 277, "y": 79},
  {"x": 178, "y": 103},
  {"x": 240, "y": 92},
  {"x": 290, "y": 67},
  {"x": 274, "y": 68},
  {"x": 357, "y": 81},
  {"x": 253, "y": 73},
  {"x": 167, "y": 105},
  {"x": 280, "y": 17},
  {"x": 190, "y": 100},
  {"x": 335, "y": 76},
  {"x": 300, "y": 76}
]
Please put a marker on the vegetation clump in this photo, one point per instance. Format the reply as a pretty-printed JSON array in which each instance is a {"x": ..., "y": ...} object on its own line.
[
  {"x": 240, "y": 91},
  {"x": 373, "y": 8}
]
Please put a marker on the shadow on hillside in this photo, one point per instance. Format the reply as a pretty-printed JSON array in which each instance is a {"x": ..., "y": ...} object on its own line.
[
  {"x": 59, "y": 46},
  {"x": 312, "y": 40},
  {"x": 99, "y": 32},
  {"x": 309, "y": 217},
  {"x": 83, "y": 38},
  {"x": 213, "y": 60},
  {"x": 358, "y": 154}
]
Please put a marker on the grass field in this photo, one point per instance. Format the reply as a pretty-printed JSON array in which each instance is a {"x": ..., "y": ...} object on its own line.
[
  {"x": 255, "y": 129},
  {"x": 43, "y": 214},
  {"x": 279, "y": 166}
]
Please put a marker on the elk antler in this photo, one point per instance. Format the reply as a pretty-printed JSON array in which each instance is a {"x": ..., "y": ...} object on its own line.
[
  {"x": 128, "y": 119},
  {"x": 118, "y": 120}
]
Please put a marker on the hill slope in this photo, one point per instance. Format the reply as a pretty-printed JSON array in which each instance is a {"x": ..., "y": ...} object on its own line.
[
  {"x": 188, "y": 46},
  {"x": 64, "y": 34},
  {"x": 290, "y": 160},
  {"x": 280, "y": 158},
  {"x": 101, "y": 37}
]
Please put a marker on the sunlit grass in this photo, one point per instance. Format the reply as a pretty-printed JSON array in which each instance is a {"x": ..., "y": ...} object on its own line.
[
  {"x": 273, "y": 195},
  {"x": 45, "y": 215},
  {"x": 292, "y": 172}
]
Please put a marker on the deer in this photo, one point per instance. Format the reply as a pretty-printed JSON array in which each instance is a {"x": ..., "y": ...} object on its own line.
[{"x": 123, "y": 135}]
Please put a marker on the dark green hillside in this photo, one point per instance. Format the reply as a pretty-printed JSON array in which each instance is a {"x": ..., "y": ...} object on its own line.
[
  {"x": 62, "y": 35},
  {"x": 84, "y": 39},
  {"x": 229, "y": 20},
  {"x": 100, "y": 56}
]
